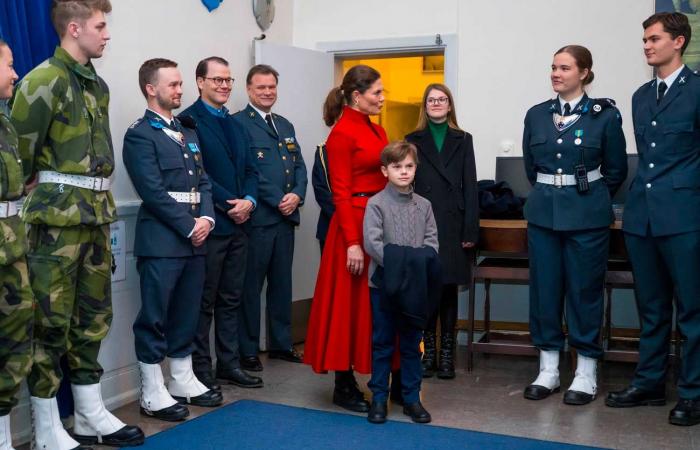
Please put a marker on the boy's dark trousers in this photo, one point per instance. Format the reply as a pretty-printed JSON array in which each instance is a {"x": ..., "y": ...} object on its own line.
[{"x": 385, "y": 328}]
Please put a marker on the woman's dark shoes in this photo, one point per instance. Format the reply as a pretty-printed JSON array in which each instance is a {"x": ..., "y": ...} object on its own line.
[
  {"x": 290, "y": 355},
  {"x": 417, "y": 413},
  {"x": 429, "y": 361},
  {"x": 685, "y": 413},
  {"x": 351, "y": 399},
  {"x": 377, "y": 412},
  {"x": 537, "y": 392},
  {"x": 251, "y": 363},
  {"x": 633, "y": 396},
  {"x": 240, "y": 378},
  {"x": 446, "y": 366}
]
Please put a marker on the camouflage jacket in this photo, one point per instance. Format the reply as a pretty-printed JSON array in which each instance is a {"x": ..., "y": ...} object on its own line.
[
  {"x": 13, "y": 234},
  {"x": 60, "y": 112}
]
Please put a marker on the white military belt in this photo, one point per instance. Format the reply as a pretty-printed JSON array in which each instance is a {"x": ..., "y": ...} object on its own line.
[
  {"x": 81, "y": 181},
  {"x": 8, "y": 209},
  {"x": 186, "y": 197},
  {"x": 560, "y": 180}
]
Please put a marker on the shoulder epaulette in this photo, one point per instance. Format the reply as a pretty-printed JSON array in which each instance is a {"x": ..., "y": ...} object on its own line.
[
  {"x": 136, "y": 123},
  {"x": 600, "y": 104}
]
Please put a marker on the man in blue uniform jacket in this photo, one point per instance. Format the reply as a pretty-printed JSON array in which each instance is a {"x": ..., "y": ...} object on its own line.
[
  {"x": 281, "y": 190},
  {"x": 164, "y": 163},
  {"x": 322, "y": 192},
  {"x": 662, "y": 220},
  {"x": 234, "y": 178}
]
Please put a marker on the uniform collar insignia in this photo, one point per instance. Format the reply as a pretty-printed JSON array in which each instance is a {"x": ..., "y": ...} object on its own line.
[{"x": 681, "y": 80}]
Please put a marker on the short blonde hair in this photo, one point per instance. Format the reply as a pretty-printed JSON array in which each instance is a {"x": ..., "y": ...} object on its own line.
[{"x": 64, "y": 12}]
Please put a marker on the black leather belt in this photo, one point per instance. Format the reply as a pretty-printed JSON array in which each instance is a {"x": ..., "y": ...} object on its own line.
[{"x": 363, "y": 194}]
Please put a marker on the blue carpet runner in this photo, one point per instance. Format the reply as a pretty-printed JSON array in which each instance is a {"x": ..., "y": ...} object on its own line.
[{"x": 248, "y": 424}]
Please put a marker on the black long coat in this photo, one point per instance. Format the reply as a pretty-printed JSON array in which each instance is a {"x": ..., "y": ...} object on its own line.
[{"x": 448, "y": 180}]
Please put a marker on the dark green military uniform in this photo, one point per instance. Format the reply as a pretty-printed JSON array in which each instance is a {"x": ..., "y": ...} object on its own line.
[
  {"x": 568, "y": 234},
  {"x": 60, "y": 113},
  {"x": 16, "y": 298}
]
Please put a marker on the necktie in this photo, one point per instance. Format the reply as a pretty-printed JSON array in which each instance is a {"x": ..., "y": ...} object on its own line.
[
  {"x": 268, "y": 119},
  {"x": 567, "y": 109},
  {"x": 661, "y": 92}
]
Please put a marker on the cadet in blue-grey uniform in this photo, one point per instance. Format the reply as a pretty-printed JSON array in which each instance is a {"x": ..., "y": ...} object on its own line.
[
  {"x": 574, "y": 151},
  {"x": 661, "y": 221},
  {"x": 281, "y": 190},
  {"x": 164, "y": 163}
]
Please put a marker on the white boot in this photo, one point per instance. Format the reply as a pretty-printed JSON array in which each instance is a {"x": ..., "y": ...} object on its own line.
[
  {"x": 183, "y": 383},
  {"x": 49, "y": 433},
  {"x": 91, "y": 417},
  {"x": 156, "y": 401},
  {"x": 584, "y": 387},
  {"x": 547, "y": 381},
  {"x": 5, "y": 433},
  {"x": 154, "y": 395}
]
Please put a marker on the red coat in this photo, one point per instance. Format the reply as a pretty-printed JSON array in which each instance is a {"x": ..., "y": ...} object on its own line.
[{"x": 339, "y": 334}]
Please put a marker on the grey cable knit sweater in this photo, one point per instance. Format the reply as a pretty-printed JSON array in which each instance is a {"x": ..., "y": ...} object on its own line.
[{"x": 393, "y": 217}]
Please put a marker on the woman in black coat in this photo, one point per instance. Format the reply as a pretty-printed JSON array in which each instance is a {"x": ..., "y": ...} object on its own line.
[{"x": 446, "y": 176}]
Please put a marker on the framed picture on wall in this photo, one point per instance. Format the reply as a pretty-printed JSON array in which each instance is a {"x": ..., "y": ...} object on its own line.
[{"x": 690, "y": 8}]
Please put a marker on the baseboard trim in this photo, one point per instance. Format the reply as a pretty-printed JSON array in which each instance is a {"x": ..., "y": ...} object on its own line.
[{"x": 463, "y": 325}]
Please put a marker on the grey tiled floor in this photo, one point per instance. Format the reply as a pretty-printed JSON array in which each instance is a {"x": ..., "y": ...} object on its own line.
[{"x": 487, "y": 399}]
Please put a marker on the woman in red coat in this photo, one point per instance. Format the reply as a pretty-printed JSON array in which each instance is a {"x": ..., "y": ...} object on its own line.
[{"x": 339, "y": 335}]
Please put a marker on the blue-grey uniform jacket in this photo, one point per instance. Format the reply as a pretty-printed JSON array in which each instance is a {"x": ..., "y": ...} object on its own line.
[
  {"x": 157, "y": 164},
  {"x": 280, "y": 165},
  {"x": 665, "y": 194},
  {"x": 596, "y": 138}
]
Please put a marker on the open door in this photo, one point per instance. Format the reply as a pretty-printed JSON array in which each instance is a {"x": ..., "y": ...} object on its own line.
[{"x": 306, "y": 77}]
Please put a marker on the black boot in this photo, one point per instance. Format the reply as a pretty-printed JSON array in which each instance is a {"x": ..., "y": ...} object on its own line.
[
  {"x": 429, "y": 361},
  {"x": 395, "y": 392},
  {"x": 446, "y": 366},
  {"x": 346, "y": 393}
]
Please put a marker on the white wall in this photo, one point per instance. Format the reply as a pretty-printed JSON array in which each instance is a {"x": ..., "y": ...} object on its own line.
[{"x": 505, "y": 50}]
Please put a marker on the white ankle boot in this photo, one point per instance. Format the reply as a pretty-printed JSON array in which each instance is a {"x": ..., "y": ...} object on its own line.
[
  {"x": 547, "y": 381},
  {"x": 154, "y": 395},
  {"x": 183, "y": 383},
  {"x": 5, "y": 433},
  {"x": 49, "y": 433},
  {"x": 91, "y": 416},
  {"x": 584, "y": 387}
]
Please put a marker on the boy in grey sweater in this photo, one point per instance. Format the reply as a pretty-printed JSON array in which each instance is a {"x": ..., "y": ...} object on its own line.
[{"x": 396, "y": 216}]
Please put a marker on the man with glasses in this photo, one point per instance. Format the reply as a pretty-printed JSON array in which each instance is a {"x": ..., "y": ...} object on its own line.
[
  {"x": 234, "y": 178},
  {"x": 282, "y": 187}
]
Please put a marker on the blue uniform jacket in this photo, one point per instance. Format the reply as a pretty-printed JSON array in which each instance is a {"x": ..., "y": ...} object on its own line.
[
  {"x": 596, "y": 138},
  {"x": 280, "y": 165},
  {"x": 665, "y": 194},
  {"x": 322, "y": 192},
  {"x": 156, "y": 165},
  {"x": 226, "y": 151}
]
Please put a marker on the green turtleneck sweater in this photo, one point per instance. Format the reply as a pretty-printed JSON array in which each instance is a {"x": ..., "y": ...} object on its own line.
[{"x": 438, "y": 131}]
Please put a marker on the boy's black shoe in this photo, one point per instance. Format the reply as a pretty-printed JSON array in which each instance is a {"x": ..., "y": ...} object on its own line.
[
  {"x": 685, "y": 413},
  {"x": 632, "y": 396},
  {"x": 417, "y": 413},
  {"x": 377, "y": 412}
]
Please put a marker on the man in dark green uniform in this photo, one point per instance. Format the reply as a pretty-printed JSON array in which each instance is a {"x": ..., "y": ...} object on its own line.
[
  {"x": 16, "y": 298},
  {"x": 60, "y": 112},
  {"x": 662, "y": 220}
]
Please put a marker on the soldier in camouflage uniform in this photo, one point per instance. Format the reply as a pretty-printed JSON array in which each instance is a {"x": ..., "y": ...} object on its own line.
[
  {"x": 60, "y": 111},
  {"x": 16, "y": 298}
]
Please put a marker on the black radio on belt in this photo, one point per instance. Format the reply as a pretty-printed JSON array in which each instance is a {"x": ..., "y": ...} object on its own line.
[{"x": 581, "y": 176}]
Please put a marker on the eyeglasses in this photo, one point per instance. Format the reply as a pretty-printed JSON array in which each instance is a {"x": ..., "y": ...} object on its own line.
[
  {"x": 218, "y": 81},
  {"x": 437, "y": 101}
]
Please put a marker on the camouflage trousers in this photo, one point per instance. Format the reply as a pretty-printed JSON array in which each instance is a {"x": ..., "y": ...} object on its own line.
[
  {"x": 16, "y": 324},
  {"x": 69, "y": 269}
]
